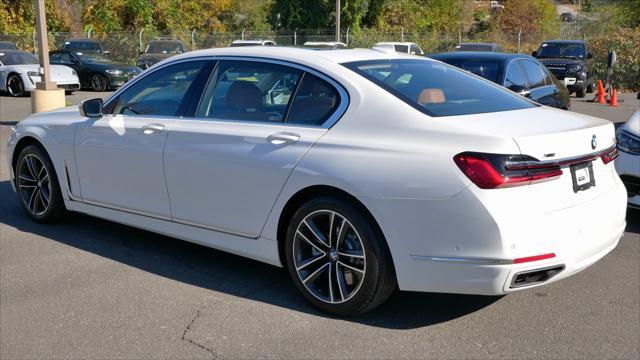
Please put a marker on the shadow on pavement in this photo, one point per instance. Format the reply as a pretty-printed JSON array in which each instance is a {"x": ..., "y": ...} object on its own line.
[{"x": 222, "y": 272}]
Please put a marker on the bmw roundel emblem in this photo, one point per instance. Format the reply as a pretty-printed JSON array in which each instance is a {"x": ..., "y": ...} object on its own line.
[{"x": 594, "y": 142}]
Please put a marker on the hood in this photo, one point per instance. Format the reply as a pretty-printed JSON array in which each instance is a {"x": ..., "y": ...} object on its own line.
[
  {"x": 57, "y": 71},
  {"x": 112, "y": 65}
]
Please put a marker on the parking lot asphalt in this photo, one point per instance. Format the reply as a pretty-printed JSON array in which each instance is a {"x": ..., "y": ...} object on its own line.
[{"x": 88, "y": 288}]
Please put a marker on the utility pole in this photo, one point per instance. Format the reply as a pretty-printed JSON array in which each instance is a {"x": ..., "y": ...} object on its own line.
[
  {"x": 337, "y": 20},
  {"x": 43, "y": 47}
]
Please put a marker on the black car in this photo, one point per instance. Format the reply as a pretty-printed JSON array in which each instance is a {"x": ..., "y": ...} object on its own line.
[
  {"x": 567, "y": 17},
  {"x": 571, "y": 62},
  {"x": 84, "y": 45},
  {"x": 8, "y": 45},
  {"x": 158, "y": 50},
  {"x": 520, "y": 73},
  {"x": 478, "y": 47},
  {"x": 95, "y": 71}
]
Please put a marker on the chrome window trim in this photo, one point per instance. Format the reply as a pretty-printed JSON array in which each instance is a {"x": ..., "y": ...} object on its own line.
[
  {"x": 521, "y": 165},
  {"x": 332, "y": 120}
]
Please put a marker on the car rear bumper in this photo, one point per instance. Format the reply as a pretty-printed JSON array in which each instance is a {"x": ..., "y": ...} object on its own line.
[{"x": 459, "y": 245}]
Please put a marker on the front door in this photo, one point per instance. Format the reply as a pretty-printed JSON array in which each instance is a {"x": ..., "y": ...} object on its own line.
[{"x": 120, "y": 156}]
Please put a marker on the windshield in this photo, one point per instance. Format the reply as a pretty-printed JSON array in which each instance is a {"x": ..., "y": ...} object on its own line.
[
  {"x": 82, "y": 45},
  {"x": 569, "y": 51},
  {"x": 437, "y": 89},
  {"x": 18, "y": 58},
  {"x": 164, "y": 48},
  {"x": 92, "y": 57},
  {"x": 487, "y": 69},
  {"x": 8, "y": 45}
]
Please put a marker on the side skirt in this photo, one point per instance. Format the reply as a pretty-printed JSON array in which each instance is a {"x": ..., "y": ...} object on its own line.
[{"x": 260, "y": 249}]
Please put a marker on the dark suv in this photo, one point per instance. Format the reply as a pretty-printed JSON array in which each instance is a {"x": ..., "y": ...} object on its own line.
[{"x": 571, "y": 63}]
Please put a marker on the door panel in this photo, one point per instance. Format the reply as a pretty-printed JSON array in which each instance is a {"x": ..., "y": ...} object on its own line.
[
  {"x": 227, "y": 175},
  {"x": 120, "y": 163}
]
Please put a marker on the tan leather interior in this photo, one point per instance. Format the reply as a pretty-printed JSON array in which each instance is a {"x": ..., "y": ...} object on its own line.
[{"x": 431, "y": 96}]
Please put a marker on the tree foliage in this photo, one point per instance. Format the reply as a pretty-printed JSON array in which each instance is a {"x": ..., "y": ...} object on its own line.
[
  {"x": 18, "y": 17},
  {"x": 528, "y": 16}
]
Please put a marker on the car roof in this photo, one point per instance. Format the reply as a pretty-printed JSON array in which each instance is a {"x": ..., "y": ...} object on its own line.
[
  {"x": 295, "y": 54},
  {"x": 254, "y": 41},
  {"x": 479, "y": 43},
  {"x": 560, "y": 41},
  {"x": 395, "y": 43},
  {"x": 12, "y": 51},
  {"x": 480, "y": 55}
]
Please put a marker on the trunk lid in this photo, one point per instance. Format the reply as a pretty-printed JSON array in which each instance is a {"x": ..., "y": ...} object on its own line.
[{"x": 551, "y": 135}]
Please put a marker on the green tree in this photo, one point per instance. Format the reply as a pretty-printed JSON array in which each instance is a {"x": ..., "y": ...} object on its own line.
[
  {"x": 529, "y": 16},
  {"x": 18, "y": 17}
]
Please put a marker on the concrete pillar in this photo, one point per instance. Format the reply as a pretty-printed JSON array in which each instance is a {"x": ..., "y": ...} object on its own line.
[{"x": 47, "y": 96}]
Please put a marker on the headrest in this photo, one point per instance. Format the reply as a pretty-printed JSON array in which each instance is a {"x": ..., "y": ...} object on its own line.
[
  {"x": 244, "y": 95},
  {"x": 431, "y": 96}
]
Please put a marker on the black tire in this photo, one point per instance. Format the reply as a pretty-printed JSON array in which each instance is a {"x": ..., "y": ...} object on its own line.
[
  {"x": 99, "y": 82},
  {"x": 15, "y": 86},
  {"x": 69, "y": 92},
  {"x": 27, "y": 165},
  {"x": 378, "y": 280},
  {"x": 590, "y": 87},
  {"x": 580, "y": 92}
]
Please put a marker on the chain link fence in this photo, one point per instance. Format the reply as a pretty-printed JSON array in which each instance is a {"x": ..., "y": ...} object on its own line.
[{"x": 126, "y": 47}]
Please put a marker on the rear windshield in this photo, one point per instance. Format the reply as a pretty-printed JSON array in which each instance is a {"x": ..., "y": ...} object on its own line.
[
  {"x": 438, "y": 89},
  {"x": 164, "y": 48},
  {"x": 487, "y": 69}
]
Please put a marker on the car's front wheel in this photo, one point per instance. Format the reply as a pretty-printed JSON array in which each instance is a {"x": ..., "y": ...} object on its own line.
[
  {"x": 37, "y": 185},
  {"x": 580, "y": 92},
  {"x": 337, "y": 257},
  {"x": 15, "y": 86}
]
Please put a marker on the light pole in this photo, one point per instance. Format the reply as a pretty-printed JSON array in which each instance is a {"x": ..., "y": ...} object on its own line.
[{"x": 337, "y": 20}]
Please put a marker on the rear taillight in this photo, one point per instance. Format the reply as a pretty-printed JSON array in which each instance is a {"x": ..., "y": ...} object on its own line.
[
  {"x": 610, "y": 155},
  {"x": 490, "y": 171}
]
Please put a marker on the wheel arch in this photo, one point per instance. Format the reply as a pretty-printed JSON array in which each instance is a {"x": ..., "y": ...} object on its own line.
[
  {"x": 314, "y": 191},
  {"x": 22, "y": 143}
]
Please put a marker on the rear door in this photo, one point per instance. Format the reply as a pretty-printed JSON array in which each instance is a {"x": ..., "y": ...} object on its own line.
[{"x": 226, "y": 166}]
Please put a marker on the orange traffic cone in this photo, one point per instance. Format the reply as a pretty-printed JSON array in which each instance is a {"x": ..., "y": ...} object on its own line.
[
  {"x": 614, "y": 98},
  {"x": 601, "y": 99}
]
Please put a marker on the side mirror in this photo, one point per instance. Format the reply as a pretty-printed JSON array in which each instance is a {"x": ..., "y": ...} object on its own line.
[
  {"x": 589, "y": 55},
  {"x": 520, "y": 90},
  {"x": 91, "y": 108},
  {"x": 534, "y": 53},
  {"x": 106, "y": 52}
]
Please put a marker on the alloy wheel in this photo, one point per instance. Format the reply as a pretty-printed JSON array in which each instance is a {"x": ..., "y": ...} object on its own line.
[
  {"x": 34, "y": 185},
  {"x": 98, "y": 82},
  {"x": 329, "y": 256},
  {"x": 14, "y": 86}
]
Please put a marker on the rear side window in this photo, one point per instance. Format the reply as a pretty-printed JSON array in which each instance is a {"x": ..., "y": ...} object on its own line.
[
  {"x": 315, "y": 101},
  {"x": 438, "y": 89},
  {"x": 401, "y": 48},
  {"x": 487, "y": 69},
  {"x": 249, "y": 91}
]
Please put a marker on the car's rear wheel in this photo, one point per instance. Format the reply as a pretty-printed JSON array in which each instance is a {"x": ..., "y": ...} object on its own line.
[
  {"x": 37, "y": 185},
  {"x": 15, "y": 86},
  {"x": 337, "y": 258},
  {"x": 99, "y": 82}
]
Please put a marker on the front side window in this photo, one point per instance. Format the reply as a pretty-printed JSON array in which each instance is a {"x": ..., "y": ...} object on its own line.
[
  {"x": 438, "y": 89},
  {"x": 249, "y": 91},
  {"x": 159, "y": 93},
  {"x": 401, "y": 48},
  {"x": 534, "y": 74},
  {"x": 316, "y": 100},
  {"x": 514, "y": 78}
]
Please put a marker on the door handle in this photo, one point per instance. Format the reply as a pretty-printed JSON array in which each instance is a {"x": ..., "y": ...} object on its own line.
[
  {"x": 152, "y": 128},
  {"x": 283, "y": 138}
]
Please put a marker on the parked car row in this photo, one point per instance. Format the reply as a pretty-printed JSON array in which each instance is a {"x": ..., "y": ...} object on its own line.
[{"x": 360, "y": 171}]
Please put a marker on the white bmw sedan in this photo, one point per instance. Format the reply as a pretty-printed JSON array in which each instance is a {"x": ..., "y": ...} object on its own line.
[
  {"x": 359, "y": 171},
  {"x": 19, "y": 74}
]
